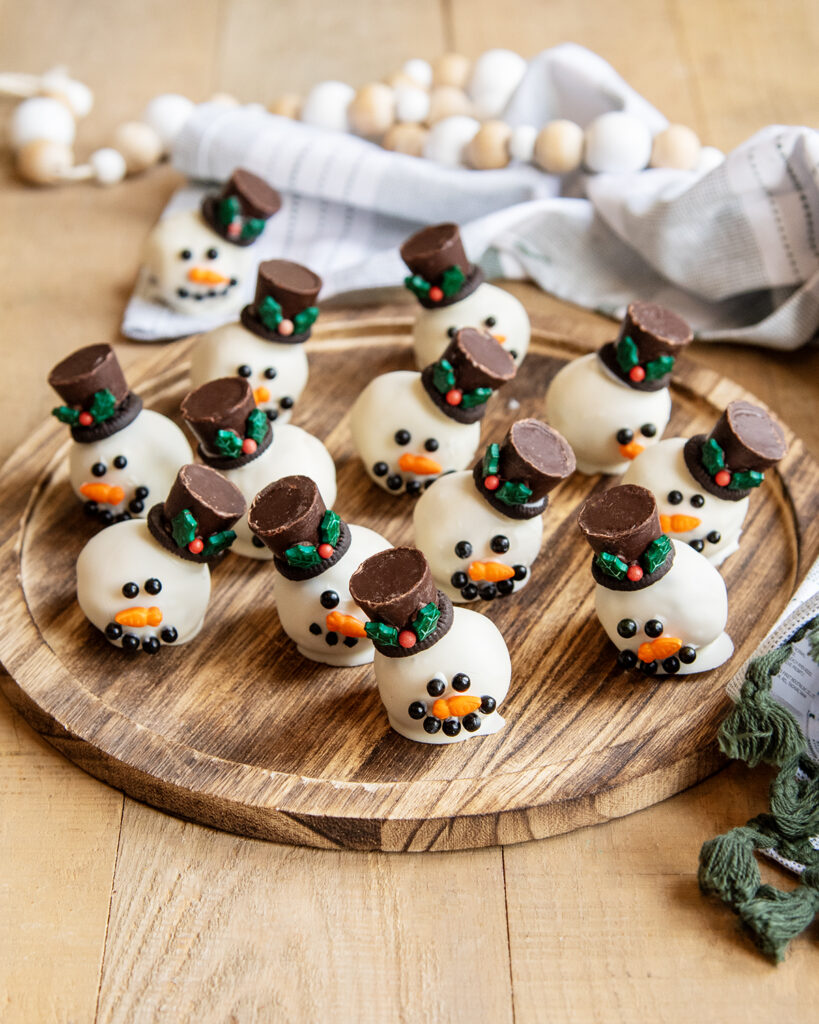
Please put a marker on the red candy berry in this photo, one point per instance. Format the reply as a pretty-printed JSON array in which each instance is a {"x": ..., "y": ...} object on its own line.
[
  {"x": 635, "y": 573},
  {"x": 454, "y": 397},
  {"x": 86, "y": 419},
  {"x": 196, "y": 545},
  {"x": 406, "y": 638},
  {"x": 435, "y": 294},
  {"x": 492, "y": 482},
  {"x": 249, "y": 446},
  {"x": 325, "y": 550},
  {"x": 637, "y": 373},
  {"x": 723, "y": 478}
]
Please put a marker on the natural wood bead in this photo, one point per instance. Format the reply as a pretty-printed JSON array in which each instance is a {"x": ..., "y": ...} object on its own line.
[
  {"x": 406, "y": 138},
  {"x": 447, "y": 101},
  {"x": 489, "y": 149},
  {"x": 559, "y": 147},
  {"x": 372, "y": 110},
  {"x": 288, "y": 105},
  {"x": 224, "y": 99},
  {"x": 43, "y": 162},
  {"x": 139, "y": 144},
  {"x": 451, "y": 69},
  {"x": 677, "y": 146},
  {"x": 398, "y": 78}
]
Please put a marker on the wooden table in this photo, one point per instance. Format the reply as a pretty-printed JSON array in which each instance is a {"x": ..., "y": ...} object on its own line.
[{"x": 113, "y": 911}]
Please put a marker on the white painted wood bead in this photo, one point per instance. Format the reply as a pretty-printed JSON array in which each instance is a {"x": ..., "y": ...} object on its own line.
[
  {"x": 711, "y": 157},
  {"x": 41, "y": 118},
  {"x": 406, "y": 138},
  {"x": 42, "y": 162},
  {"x": 326, "y": 106},
  {"x": 411, "y": 104},
  {"x": 372, "y": 110},
  {"x": 448, "y": 139},
  {"x": 677, "y": 146},
  {"x": 559, "y": 147},
  {"x": 522, "y": 143},
  {"x": 447, "y": 101},
  {"x": 166, "y": 114},
  {"x": 617, "y": 143},
  {"x": 139, "y": 144},
  {"x": 451, "y": 69},
  {"x": 76, "y": 94},
  {"x": 495, "y": 76},
  {"x": 108, "y": 166},
  {"x": 488, "y": 149},
  {"x": 288, "y": 105},
  {"x": 420, "y": 71}
]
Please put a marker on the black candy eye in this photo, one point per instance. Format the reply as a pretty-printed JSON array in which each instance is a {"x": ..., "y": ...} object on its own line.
[
  {"x": 626, "y": 627},
  {"x": 270, "y": 372},
  {"x": 648, "y": 430},
  {"x": 244, "y": 370},
  {"x": 329, "y": 599},
  {"x": 130, "y": 589},
  {"x": 435, "y": 687},
  {"x": 120, "y": 462},
  {"x": 653, "y": 627},
  {"x": 490, "y": 321},
  {"x": 99, "y": 469},
  {"x": 463, "y": 549},
  {"x": 674, "y": 497},
  {"x": 625, "y": 435},
  {"x": 402, "y": 437},
  {"x": 212, "y": 254},
  {"x": 499, "y": 544},
  {"x": 431, "y": 444},
  {"x": 451, "y": 332},
  {"x": 185, "y": 254},
  {"x": 153, "y": 585},
  {"x": 461, "y": 682},
  {"x": 697, "y": 501}
]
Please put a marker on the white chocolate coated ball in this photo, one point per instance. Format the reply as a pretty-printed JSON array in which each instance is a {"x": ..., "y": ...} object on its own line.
[
  {"x": 411, "y": 104},
  {"x": 419, "y": 71},
  {"x": 451, "y": 69},
  {"x": 617, "y": 143},
  {"x": 406, "y": 138},
  {"x": 559, "y": 147},
  {"x": 372, "y": 110},
  {"x": 44, "y": 163},
  {"x": 522, "y": 143},
  {"x": 489, "y": 147},
  {"x": 447, "y": 101},
  {"x": 76, "y": 94},
  {"x": 108, "y": 165},
  {"x": 139, "y": 143},
  {"x": 677, "y": 146},
  {"x": 448, "y": 140},
  {"x": 167, "y": 114},
  {"x": 495, "y": 76},
  {"x": 325, "y": 106},
  {"x": 41, "y": 117}
]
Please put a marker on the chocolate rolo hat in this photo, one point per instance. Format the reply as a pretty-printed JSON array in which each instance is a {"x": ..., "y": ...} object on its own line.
[
  {"x": 729, "y": 462},
  {"x": 396, "y": 590},
  {"x": 441, "y": 273},
  {"x": 283, "y": 308},
  {"x": 472, "y": 367},
  {"x": 230, "y": 429},
  {"x": 650, "y": 340},
  {"x": 239, "y": 212},
  {"x": 195, "y": 519},
  {"x": 516, "y": 476},
  {"x": 306, "y": 537},
  {"x": 97, "y": 401},
  {"x": 622, "y": 526}
]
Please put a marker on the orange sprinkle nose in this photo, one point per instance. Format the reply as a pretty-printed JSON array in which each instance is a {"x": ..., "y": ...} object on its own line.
[
  {"x": 202, "y": 275},
  {"x": 261, "y": 394},
  {"x": 499, "y": 338},
  {"x": 656, "y": 650},
  {"x": 419, "y": 464},
  {"x": 103, "y": 494},
  {"x": 347, "y": 625},
  {"x": 631, "y": 450},
  {"x": 492, "y": 572},
  {"x": 136, "y": 617},
  {"x": 678, "y": 524},
  {"x": 455, "y": 707}
]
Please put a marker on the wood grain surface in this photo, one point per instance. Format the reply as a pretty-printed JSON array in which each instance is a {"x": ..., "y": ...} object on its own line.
[{"x": 601, "y": 925}]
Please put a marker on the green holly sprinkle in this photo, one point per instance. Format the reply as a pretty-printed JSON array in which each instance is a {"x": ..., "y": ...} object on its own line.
[
  {"x": 330, "y": 528},
  {"x": 228, "y": 443},
  {"x": 256, "y": 426},
  {"x": 103, "y": 405},
  {"x": 65, "y": 414},
  {"x": 303, "y": 556},
  {"x": 713, "y": 457},
  {"x": 744, "y": 479},
  {"x": 513, "y": 493},
  {"x": 659, "y": 367},
  {"x": 477, "y": 397},
  {"x": 270, "y": 313},
  {"x": 218, "y": 542},
  {"x": 304, "y": 321},
  {"x": 228, "y": 210},
  {"x": 491, "y": 460},
  {"x": 381, "y": 633},
  {"x": 252, "y": 228},
  {"x": 443, "y": 376},
  {"x": 426, "y": 621},
  {"x": 183, "y": 528},
  {"x": 452, "y": 280},
  {"x": 417, "y": 285},
  {"x": 627, "y": 355},
  {"x": 611, "y": 565},
  {"x": 656, "y": 553}
]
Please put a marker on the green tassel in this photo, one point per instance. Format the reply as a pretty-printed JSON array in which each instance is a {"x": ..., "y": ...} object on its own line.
[
  {"x": 270, "y": 312},
  {"x": 218, "y": 542},
  {"x": 103, "y": 405},
  {"x": 475, "y": 397},
  {"x": 728, "y": 867},
  {"x": 304, "y": 320},
  {"x": 627, "y": 355},
  {"x": 330, "y": 528},
  {"x": 183, "y": 528},
  {"x": 774, "y": 917},
  {"x": 443, "y": 376},
  {"x": 659, "y": 367},
  {"x": 257, "y": 425},
  {"x": 65, "y": 414},
  {"x": 452, "y": 280},
  {"x": 381, "y": 633},
  {"x": 228, "y": 443},
  {"x": 491, "y": 460},
  {"x": 713, "y": 457},
  {"x": 426, "y": 621},
  {"x": 228, "y": 209}
]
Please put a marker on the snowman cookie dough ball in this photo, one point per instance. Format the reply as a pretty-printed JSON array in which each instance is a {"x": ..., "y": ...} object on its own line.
[
  {"x": 123, "y": 456},
  {"x": 441, "y": 671},
  {"x": 315, "y": 552},
  {"x": 237, "y": 439},
  {"x": 409, "y": 428},
  {"x": 146, "y": 583},
  {"x": 481, "y": 531},
  {"x": 453, "y": 294},
  {"x": 197, "y": 261},
  {"x": 612, "y": 404},
  {"x": 702, "y": 485},
  {"x": 266, "y": 346},
  {"x": 662, "y": 604}
]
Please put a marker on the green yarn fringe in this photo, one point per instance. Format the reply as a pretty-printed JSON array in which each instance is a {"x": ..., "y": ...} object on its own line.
[{"x": 761, "y": 731}]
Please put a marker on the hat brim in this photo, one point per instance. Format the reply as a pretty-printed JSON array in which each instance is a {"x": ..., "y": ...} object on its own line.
[
  {"x": 126, "y": 414},
  {"x": 210, "y": 214},
  {"x": 526, "y": 510},
  {"x": 608, "y": 357},
  {"x": 473, "y": 279},
  {"x": 445, "y": 621},
  {"x": 692, "y": 453}
]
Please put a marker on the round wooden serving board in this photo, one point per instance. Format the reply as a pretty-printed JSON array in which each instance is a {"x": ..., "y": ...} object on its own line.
[{"x": 237, "y": 731}]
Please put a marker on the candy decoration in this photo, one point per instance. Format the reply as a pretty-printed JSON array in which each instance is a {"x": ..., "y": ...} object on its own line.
[
  {"x": 634, "y": 573},
  {"x": 722, "y": 478},
  {"x": 183, "y": 528}
]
